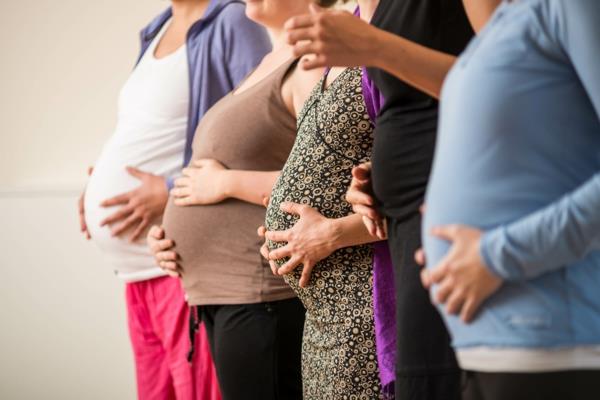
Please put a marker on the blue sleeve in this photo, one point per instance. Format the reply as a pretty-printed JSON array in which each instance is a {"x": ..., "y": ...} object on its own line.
[
  {"x": 247, "y": 43},
  {"x": 568, "y": 229}
]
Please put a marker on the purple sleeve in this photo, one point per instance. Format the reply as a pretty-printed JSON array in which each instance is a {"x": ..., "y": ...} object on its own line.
[{"x": 373, "y": 98}]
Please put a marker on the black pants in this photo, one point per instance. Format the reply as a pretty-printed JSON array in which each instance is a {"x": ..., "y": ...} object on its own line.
[
  {"x": 257, "y": 349},
  {"x": 564, "y": 385},
  {"x": 426, "y": 367}
]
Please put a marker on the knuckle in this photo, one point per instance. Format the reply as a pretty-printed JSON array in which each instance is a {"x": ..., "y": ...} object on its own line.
[
  {"x": 319, "y": 19},
  {"x": 319, "y": 47}
]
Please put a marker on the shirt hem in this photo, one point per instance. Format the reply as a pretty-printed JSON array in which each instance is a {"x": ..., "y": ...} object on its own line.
[
  {"x": 205, "y": 301},
  {"x": 139, "y": 276},
  {"x": 519, "y": 360}
]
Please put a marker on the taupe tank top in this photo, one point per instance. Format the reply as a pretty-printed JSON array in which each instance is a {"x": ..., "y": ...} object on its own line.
[{"x": 218, "y": 244}]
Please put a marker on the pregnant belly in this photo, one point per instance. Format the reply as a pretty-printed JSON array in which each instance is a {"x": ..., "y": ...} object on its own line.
[
  {"x": 325, "y": 196},
  {"x": 107, "y": 182},
  {"x": 207, "y": 237}
]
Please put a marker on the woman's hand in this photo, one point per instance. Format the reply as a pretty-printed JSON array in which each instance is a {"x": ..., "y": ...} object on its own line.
[
  {"x": 264, "y": 250},
  {"x": 138, "y": 207},
  {"x": 335, "y": 38},
  {"x": 359, "y": 196},
  {"x": 161, "y": 249},
  {"x": 201, "y": 184},
  {"x": 310, "y": 240},
  {"x": 464, "y": 280}
]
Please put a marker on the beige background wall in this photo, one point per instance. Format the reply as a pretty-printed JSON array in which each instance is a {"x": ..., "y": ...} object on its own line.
[
  {"x": 62, "y": 318},
  {"x": 62, "y": 65}
]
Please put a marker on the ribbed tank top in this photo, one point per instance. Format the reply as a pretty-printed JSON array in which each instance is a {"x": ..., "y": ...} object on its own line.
[{"x": 218, "y": 244}]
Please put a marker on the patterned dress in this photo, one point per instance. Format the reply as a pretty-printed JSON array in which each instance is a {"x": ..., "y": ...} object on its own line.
[{"x": 334, "y": 134}]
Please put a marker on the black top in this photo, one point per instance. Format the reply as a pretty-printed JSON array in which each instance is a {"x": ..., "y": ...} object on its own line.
[{"x": 407, "y": 124}]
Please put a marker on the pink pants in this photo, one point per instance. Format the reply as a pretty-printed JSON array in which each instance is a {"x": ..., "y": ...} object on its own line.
[{"x": 158, "y": 327}]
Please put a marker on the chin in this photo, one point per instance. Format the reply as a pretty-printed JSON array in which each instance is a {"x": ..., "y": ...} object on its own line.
[{"x": 255, "y": 11}]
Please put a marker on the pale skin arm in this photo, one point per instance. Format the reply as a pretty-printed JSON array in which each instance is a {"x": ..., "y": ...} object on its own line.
[
  {"x": 250, "y": 186},
  {"x": 337, "y": 38},
  {"x": 209, "y": 182}
]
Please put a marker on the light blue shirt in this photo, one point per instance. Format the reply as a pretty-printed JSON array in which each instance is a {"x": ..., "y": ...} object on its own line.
[{"x": 518, "y": 155}]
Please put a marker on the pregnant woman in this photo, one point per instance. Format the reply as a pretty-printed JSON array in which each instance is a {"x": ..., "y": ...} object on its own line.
[
  {"x": 253, "y": 319},
  {"x": 334, "y": 135},
  {"x": 516, "y": 177},
  {"x": 173, "y": 84}
]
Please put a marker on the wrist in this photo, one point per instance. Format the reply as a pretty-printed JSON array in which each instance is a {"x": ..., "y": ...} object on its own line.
[
  {"x": 162, "y": 187},
  {"x": 490, "y": 256},
  {"x": 226, "y": 183},
  {"x": 336, "y": 233}
]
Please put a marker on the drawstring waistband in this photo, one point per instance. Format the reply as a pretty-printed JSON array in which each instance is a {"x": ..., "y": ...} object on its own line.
[{"x": 194, "y": 324}]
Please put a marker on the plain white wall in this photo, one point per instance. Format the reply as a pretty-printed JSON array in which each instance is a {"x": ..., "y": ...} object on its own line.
[
  {"x": 63, "y": 63},
  {"x": 63, "y": 333}
]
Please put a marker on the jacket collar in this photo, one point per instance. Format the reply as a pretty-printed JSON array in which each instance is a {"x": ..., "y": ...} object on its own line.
[{"x": 214, "y": 8}]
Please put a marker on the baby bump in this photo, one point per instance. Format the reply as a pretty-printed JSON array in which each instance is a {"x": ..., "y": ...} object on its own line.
[
  {"x": 206, "y": 235},
  {"x": 180, "y": 225},
  {"x": 327, "y": 200}
]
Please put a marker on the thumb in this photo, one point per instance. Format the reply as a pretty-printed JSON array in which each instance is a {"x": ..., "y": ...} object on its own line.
[
  {"x": 446, "y": 232},
  {"x": 360, "y": 173},
  {"x": 157, "y": 232},
  {"x": 315, "y": 9},
  {"x": 203, "y": 162},
  {"x": 136, "y": 172},
  {"x": 261, "y": 231},
  {"x": 265, "y": 201}
]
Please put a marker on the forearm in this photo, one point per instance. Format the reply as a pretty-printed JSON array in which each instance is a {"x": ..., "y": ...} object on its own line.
[
  {"x": 351, "y": 231},
  {"x": 558, "y": 235},
  {"x": 249, "y": 186},
  {"x": 417, "y": 65}
]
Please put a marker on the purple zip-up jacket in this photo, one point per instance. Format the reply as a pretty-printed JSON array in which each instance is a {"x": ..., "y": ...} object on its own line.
[{"x": 222, "y": 48}]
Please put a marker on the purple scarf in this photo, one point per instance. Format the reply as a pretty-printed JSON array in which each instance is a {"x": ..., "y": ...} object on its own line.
[{"x": 384, "y": 295}]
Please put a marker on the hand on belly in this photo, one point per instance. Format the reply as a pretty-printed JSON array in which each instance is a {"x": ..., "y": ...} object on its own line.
[
  {"x": 464, "y": 280},
  {"x": 138, "y": 208},
  {"x": 312, "y": 239}
]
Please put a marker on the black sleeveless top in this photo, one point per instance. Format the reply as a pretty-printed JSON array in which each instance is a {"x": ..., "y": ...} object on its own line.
[{"x": 407, "y": 124}]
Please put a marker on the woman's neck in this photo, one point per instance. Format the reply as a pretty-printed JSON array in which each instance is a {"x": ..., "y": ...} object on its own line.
[
  {"x": 278, "y": 37},
  {"x": 367, "y": 9},
  {"x": 189, "y": 10}
]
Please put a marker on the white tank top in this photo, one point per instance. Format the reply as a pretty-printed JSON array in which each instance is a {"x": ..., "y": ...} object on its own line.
[{"x": 150, "y": 135}]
